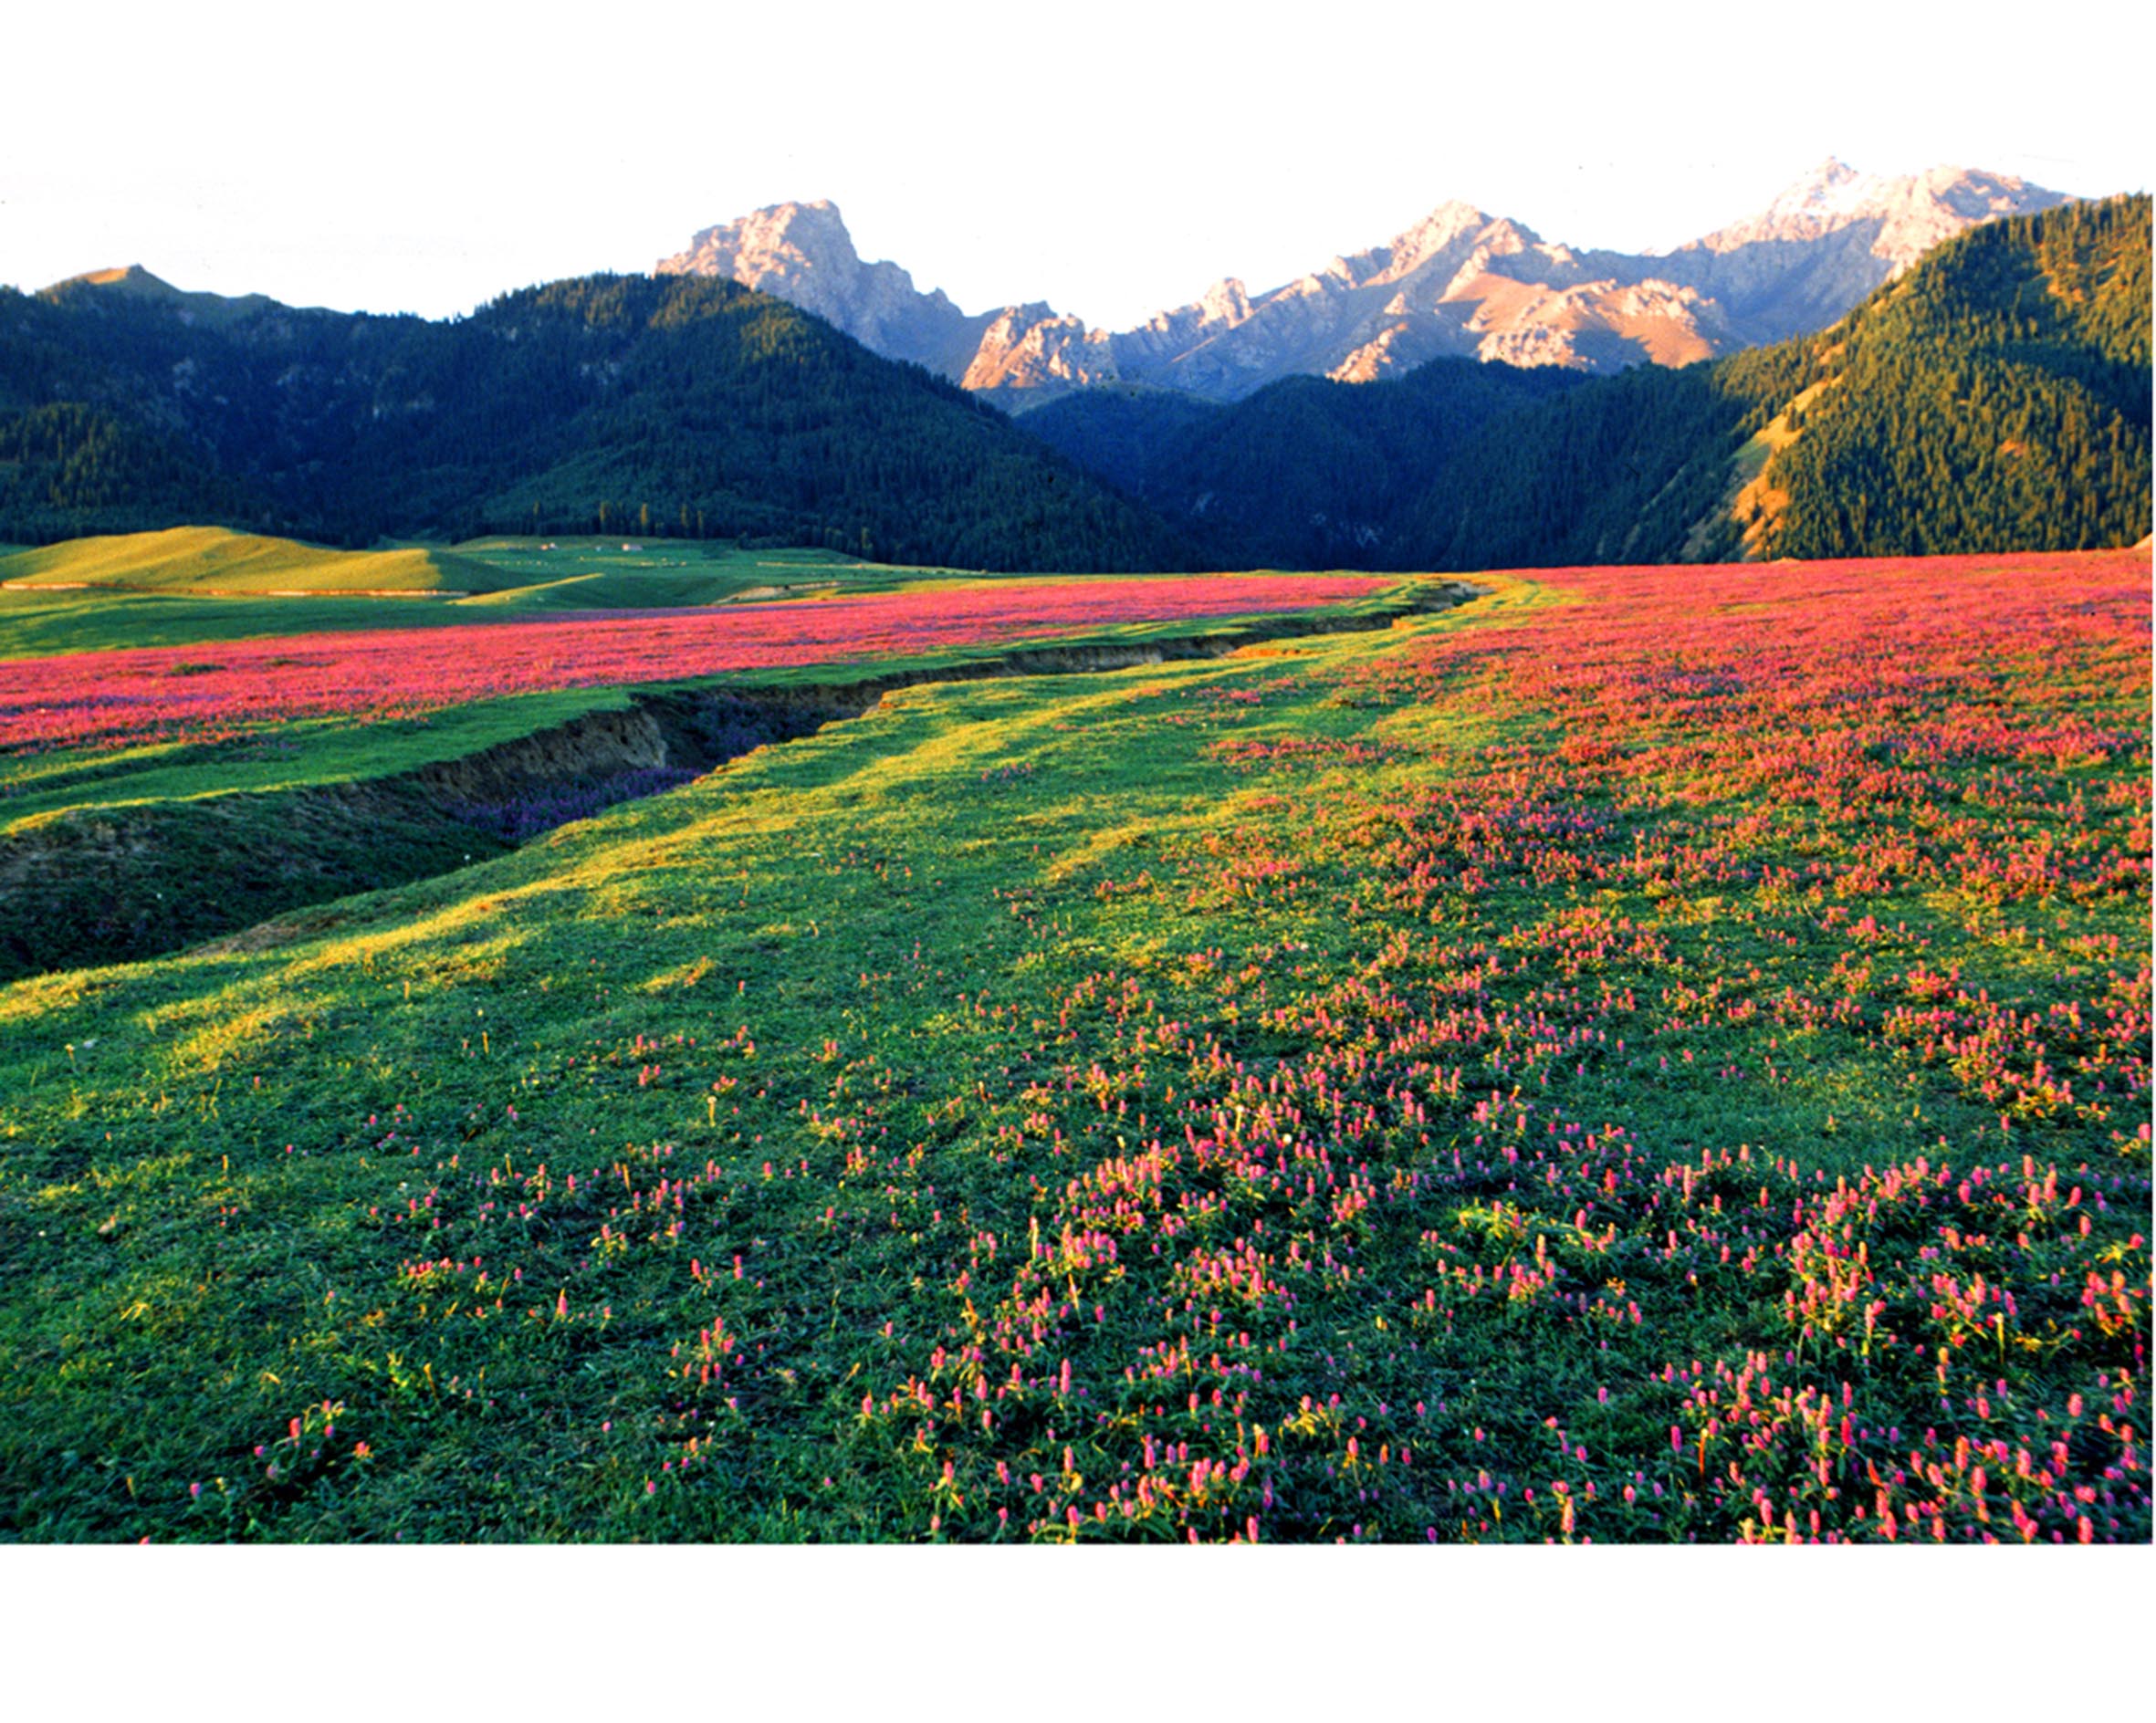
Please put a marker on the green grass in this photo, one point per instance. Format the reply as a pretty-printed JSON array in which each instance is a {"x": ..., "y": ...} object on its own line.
[
  {"x": 215, "y": 561},
  {"x": 35, "y": 787},
  {"x": 155, "y": 598},
  {"x": 312, "y": 753},
  {"x": 495, "y": 987},
  {"x": 202, "y": 584},
  {"x": 604, "y": 574},
  {"x": 872, "y": 1058},
  {"x": 1052, "y": 1083},
  {"x": 105, "y": 851}
]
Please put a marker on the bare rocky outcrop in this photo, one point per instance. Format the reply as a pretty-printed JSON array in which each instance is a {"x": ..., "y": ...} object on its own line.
[
  {"x": 1458, "y": 283},
  {"x": 801, "y": 253},
  {"x": 1834, "y": 235}
]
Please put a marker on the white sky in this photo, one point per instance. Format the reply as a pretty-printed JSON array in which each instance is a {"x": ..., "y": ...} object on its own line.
[{"x": 1112, "y": 159}]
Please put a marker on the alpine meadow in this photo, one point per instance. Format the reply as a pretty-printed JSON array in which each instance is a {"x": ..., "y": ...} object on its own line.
[{"x": 1498, "y": 895}]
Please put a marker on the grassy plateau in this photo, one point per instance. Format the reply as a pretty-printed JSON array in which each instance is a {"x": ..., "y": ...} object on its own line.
[{"x": 1650, "y": 1055}]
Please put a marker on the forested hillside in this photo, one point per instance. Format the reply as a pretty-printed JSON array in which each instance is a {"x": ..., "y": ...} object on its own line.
[
  {"x": 1460, "y": 464},
  {"x": 1305, "y": 473},
  {"x": 67, "y": 467},
  {"x": 1996, "y": 397},
  {"x": 1619, "y": 470},
  {"x": 611, "y": 403}
]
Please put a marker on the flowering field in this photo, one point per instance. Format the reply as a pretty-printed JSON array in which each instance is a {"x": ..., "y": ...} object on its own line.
[
  {"x": 1657, "y": 1055},
  {"x": 201, "y": 692}
]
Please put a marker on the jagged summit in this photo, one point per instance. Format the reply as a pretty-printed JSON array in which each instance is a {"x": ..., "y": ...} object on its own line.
[
  {"x": 1832, "y": 190},
  {"x": 1824, "y": 180},
  {"x": 781, "y": 239},
  {"x": 1912, "y": 213},
  {"x": 1441, "y": 228},
  {"x": 803, "y": 252},
  {"x": 1459, "y": 282}
]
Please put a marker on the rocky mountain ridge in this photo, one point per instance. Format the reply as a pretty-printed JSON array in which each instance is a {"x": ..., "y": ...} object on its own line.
[{"x": 1459, "y": 283}]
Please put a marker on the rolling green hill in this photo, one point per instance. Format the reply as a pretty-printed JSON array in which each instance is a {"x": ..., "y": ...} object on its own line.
[
  {"x": 191, "y": 584},
  {"x": 203, "y": 561},
  {"x": 498, "y": 573}
]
